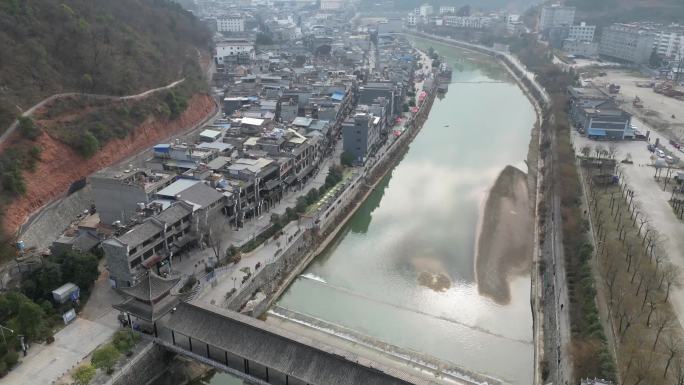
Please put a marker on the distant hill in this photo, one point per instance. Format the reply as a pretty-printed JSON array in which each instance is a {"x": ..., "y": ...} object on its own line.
[{"x": 114, "y": 47}]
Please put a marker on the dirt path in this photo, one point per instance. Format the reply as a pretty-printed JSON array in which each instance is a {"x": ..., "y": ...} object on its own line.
[
  {"x": 60, "y": 165},
  {"x": 51, "y": 98}
]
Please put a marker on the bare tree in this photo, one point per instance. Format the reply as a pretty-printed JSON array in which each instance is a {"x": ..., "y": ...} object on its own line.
[
  {"x": 612, "y": 150},
  {"x": 662, "y": 320},
  {"x": 672, "y": 276},
  {"x": 214, "y": 238},
  {"x": 586, "y": 150},
  {"x": 673, "y": 345},
  {"x": 679, "y": 372},
  {"x": 642, "y": 369},
  {"x": 599, "y": 150}
]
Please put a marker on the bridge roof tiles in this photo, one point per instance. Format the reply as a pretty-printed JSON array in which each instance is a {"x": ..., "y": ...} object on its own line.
[{"x": 297, "y": 356}]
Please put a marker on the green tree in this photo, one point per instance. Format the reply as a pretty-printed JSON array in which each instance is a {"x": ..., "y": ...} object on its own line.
[
  {"x": 28, "y": 129},
  {"x": 312, "y": 196},
  {"x": 84, "y": 374},
  {"x": 40, "y": 283},
  {"x": 87, "y": 144},
  {"x": 79, "y": 268},
  {"x": 347, "y": 159},
  {"x": 301, "y": 205},
  {"x": 30, "y": 319},
  {"x": 105, "y": 358}
]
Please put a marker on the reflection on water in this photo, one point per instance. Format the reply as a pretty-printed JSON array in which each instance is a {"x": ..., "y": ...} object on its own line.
[{"x": 422, "y": 222}]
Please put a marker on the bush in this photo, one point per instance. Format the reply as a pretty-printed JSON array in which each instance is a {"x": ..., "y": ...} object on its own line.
[
  {"x": 124, "y": 340},
  {"x": 28, "y": 129},
  {"x": 347, "y": 159},
  {"x": 3, "y": 368},
  {"x": 84, "y": 374},
  {"x": 11, "y": 359},
  {"x": 86, "y": 145},
  {"x": 105, "y": 358},
  {"x": 312, "y": 196},
  {"x": 301, "y": 205},
  {"x": 188, "y": 284}
]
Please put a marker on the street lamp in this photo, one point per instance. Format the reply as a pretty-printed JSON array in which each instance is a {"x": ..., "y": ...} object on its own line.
[{"x": 2, "y": 331}]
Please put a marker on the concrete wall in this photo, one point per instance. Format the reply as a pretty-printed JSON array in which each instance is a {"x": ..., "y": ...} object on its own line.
[
  {"x": 114, "y": 200},
  {"x": 45, "y": 226},
  {"x": 143, "y": 368},
  {"x": 268, "y": 278}
]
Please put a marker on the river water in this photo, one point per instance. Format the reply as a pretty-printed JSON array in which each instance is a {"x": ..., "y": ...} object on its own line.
[{"x": 423, "y": 217}]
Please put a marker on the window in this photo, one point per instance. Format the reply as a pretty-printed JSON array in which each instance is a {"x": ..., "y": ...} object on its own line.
[{"x": 136, "y": 262}]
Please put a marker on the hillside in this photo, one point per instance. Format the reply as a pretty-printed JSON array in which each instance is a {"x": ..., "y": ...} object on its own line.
[
  {"x": 146, "y": 50},
  {"x": 95, "y": 46}
]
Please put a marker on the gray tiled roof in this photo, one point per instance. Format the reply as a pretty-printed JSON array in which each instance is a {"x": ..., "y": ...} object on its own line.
[
  {"x": 151, "y": 288},
  {"x": 287, "y": 353},
  {"x": 201, "y": 194},
  {"x": 174, "y": 213},
  {"x": 140, "y": 233}
]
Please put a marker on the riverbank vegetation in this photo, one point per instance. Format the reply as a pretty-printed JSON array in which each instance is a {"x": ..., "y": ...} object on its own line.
[
  {"x": 590, "y": 354},
  {"x": 637, "y": 276}
]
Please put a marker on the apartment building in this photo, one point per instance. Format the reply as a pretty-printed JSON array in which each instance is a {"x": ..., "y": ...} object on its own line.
[
  {"x": 469, "y": 22},
  {"x": 148, "y": 244},
  {"x": 581, "y": 32},
  {"x": 556, "y": 16},
  {"x": 444, "y": 10},
  {"x": 627, "y": 42},
  {"x": 361, "y": 134},
  {"x": 670, "y": 44},
  {"x": 233, "y": 23},
  {"x": 117, "y": 192}
]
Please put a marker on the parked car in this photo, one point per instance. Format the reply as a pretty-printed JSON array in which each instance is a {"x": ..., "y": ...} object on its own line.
[
  {"x": 669, "y": 159},
  {"x": 650, "y": 147},
  {"x": 660, "y": 153}
]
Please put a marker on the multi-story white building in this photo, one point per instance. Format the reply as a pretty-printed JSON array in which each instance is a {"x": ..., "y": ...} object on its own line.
[
  {"x": 233, "y": 47},
  {"x": 627, "y": 42},
  {"x": 471, "y": 22},
  {"x": 514, "y": 25},
  {"x": 556, "y": 16},
  {"x": 670, "y": 44},
  {"x": 411, "y": 19},
  {"x": 443, "y": 10},
  {"x": 230, "y": 24},
  {"x": 582, "y": 32},
  {"x": 328, "y": 5},
  {"x": 426, "y": 10},
  {"x": 580, "y": 48}
]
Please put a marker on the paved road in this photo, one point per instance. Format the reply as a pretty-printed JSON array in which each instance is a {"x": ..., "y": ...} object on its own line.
[
  {"x": 40, "y": 104},
  {"x": 563, "y": 329}
]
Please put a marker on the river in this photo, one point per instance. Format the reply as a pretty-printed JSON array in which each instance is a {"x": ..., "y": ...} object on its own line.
[{"x": 422, "y": 222}]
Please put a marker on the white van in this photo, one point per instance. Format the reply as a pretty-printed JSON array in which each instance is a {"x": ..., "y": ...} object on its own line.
[{"x": 660, "y": 153}]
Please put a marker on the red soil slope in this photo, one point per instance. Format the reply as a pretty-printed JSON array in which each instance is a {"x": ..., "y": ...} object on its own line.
[{"x": 60, "y": 166}]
